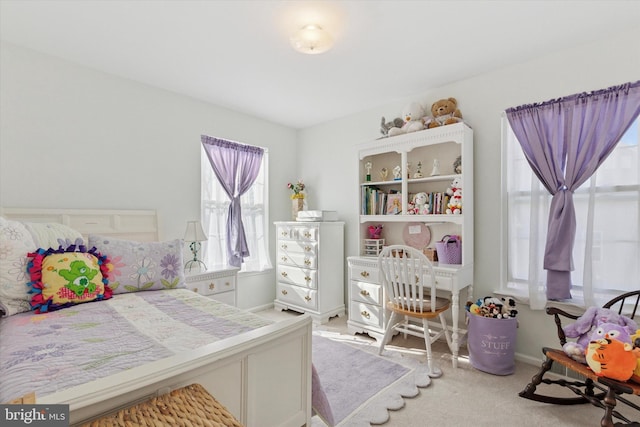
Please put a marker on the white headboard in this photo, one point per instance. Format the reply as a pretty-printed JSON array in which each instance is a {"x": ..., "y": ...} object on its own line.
[{"x": 139, "y": 225}]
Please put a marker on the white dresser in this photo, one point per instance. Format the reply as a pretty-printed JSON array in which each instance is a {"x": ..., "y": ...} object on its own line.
[
  {"x": 219, "y": 284},
  {"x": 310, "y": 268}
]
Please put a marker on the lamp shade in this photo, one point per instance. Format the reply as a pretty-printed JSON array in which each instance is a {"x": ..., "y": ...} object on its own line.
[
  {"x": 311, "y": 39},
  {"x": 194, "y": 232}
]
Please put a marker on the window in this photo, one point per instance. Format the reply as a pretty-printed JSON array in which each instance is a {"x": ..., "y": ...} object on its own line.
[
  {"x": 607, "y": 244},
  {"x": 215, "y": 208}
]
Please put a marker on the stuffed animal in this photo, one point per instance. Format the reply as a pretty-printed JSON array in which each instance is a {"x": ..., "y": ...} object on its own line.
[
  {"x": 635, "y": 343},
  {"x": 444, "y": 112},
  {"x": 421, "y": 203},
  {"x": 454, "y": 206},
  {"x": 385, "y": 125},
  {"x": 609, "y": 352},
  {"x": 412, "y": 116},
  {"x": 582, "y": 328},
  {"x": 508, "y": 307}
]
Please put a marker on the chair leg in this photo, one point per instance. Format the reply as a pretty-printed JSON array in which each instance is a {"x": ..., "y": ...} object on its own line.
[
  {"x": 447, "y": 335},
  {"x": 388, "y": 331},
  {"x": 433, "y": 371}
]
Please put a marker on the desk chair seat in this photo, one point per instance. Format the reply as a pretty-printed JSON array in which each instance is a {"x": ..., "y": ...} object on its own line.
[{"x": 410, "y": 285}]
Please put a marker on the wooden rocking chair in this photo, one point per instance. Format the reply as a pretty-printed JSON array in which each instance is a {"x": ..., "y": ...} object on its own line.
[{"x": 602, "y": 392}]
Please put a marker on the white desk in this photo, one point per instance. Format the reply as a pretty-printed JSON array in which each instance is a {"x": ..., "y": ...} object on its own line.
[{"x": 367, "y": 313}]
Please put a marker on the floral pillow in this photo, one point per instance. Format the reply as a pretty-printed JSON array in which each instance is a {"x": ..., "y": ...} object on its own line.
[
  {"x": 141, "y": 266},
  {"x": 61, "y": 278},
  {"x": 15, "y": 243}
]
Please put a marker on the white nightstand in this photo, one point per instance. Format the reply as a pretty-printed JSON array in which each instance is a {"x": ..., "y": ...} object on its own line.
[{"x": 219, "y": 284}]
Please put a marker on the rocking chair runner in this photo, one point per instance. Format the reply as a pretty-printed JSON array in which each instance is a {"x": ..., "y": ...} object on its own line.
[{"x": 602, "y": 392}]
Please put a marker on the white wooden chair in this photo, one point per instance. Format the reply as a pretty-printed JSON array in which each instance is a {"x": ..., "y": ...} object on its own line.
[{"x": 410, "y": 285}]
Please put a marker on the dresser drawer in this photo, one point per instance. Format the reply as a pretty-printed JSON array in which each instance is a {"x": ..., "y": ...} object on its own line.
[
  {"x": 207, "y": 284},
  {"x": 297, "y": 246},
  {"x": 297, "y": 232},
  {"x": 297, "y": 276},
  {"x": 363, "y": 274},
  {"x": 296, "y": 295},
  {"x": 302, "y": 260},
  {"x": 371, "y": 315},
  {"x": 308, "y": 234},
  {"x": 442, "y": 282},
  {"x": 369, "y": 293}
]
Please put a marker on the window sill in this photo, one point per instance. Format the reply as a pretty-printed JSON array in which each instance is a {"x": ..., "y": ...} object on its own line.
[{"x": 574, "y": 306}]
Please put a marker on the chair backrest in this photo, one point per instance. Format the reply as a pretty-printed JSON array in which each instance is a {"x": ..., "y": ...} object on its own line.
[
  {"x": 625, "y": 304},
  {"x": 407, "y": 276}
]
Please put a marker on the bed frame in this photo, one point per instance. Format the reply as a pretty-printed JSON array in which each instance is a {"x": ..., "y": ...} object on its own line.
[{"x": 241, "y": 372}]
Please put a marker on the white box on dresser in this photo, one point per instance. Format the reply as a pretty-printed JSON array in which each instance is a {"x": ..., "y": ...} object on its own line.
[
  {"x": 219, "y": 285},
  {"x": 310, "y": 268}
]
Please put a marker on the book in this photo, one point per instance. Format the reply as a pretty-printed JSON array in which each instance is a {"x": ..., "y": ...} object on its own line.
[{"x": 394, "y": 204}]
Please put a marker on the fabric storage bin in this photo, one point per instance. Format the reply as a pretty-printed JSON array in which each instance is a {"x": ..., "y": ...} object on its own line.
[
  {"x": 492, "y": 344},
  {"x": 449, "y": 250}
]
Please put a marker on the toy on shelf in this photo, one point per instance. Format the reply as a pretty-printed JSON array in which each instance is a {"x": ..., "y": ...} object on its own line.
[
  {"x": 412, "y": 115},
  {"x": 444, "y": 112}
]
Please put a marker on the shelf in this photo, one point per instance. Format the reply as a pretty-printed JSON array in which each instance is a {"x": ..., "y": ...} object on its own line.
[
  {"x": 438, "y": 178},
  {"x": 453, "y": 219}
]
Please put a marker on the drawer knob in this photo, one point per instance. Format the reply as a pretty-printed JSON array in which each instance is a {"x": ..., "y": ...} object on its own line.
[
  {"x": 284, "y": 292},
  {"x": 284, "y": 274},
  {"x": 227, "y": 283},
  {"x": 284, "y": 246},
  {"x": 307, "y": 234},
  {"x": 212, "y": 286},
  {"x": 364, "y": 273},
  {"x": 307, "y": 248},
  {"x": 307, "y": 278},
  {"x": 307, "y": 261},
  {"x": 284, "y": 234},
  {"x": 364, "y": 292},
  {"x": 284, "y": 259},
  {"x": 195, "y": 290},
  {"x": 307, "y": 298},
  {"x": 365, "y": 314}
]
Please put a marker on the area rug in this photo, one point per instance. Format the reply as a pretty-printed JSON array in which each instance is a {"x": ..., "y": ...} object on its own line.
[{"x": 354, "y": 387}]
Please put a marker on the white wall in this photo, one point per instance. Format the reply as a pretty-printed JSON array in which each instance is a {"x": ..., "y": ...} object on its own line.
[
  {"x": 613, "y": 60},
  {"x": 78, "y": 138}
]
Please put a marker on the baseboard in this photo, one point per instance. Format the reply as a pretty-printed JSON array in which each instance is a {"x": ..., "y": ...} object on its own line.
[
  {"x": 556, "y": 368},
  {"x": 260, "y": 308}
]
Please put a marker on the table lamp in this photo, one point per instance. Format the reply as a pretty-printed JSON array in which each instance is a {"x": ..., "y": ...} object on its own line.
[{"x": 195, "y": 235}]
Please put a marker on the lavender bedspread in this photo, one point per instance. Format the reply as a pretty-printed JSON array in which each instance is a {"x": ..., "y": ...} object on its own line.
[{"x": 50, "y": 352}]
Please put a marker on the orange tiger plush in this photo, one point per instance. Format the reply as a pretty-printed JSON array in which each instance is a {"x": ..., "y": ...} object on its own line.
[{"x": 611, "y": 358}]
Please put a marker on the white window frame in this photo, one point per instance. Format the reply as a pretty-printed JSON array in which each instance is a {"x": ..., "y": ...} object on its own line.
[
  {"x": 255, "y": 217},
  {"x": 593, "y": 248}
]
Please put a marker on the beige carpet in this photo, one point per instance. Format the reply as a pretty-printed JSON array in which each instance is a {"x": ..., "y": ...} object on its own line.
[{"x": 468, "y": 397}]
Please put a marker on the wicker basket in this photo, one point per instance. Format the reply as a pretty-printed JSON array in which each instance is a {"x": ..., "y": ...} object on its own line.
[{"x": 188, "y": 406}]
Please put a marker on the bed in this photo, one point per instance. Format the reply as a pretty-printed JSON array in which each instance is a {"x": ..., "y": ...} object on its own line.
[{"x": 179, "y": 337}]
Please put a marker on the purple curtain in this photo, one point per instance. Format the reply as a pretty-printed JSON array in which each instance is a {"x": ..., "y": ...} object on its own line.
[
  {"x": 565, "y": 140},
  {"x": 236, "y": 166}
]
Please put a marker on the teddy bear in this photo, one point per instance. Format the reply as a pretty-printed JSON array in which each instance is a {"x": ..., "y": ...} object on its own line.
[
  {"x": 582, "y": 328},
  {"x": 421, "y": 203},
  {"x": 412, "y": 115},
  {"x": 454, "y": 206},
  {"x": 444, "y": 112}
]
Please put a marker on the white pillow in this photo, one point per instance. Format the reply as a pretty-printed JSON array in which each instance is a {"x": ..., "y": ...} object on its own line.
[
  {"x": 47, "y": 234},
  {"x": 15, "y": 243}
]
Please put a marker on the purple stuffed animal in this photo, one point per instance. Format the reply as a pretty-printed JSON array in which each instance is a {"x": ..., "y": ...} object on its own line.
[{"x": 586, "y": 324}]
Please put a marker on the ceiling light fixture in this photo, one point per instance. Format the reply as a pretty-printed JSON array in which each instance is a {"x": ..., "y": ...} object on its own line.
[{"x": 311, "y": 39}]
